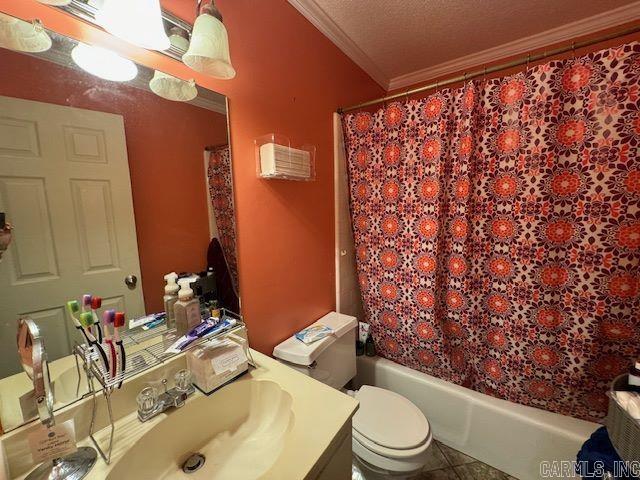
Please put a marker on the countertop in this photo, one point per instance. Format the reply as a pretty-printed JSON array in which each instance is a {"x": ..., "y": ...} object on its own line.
[{"x": 322, "y": 415}]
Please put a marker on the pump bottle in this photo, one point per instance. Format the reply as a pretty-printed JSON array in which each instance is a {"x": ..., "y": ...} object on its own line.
[
  {"x": 186, "y": 309},
  {"x": 170, "y": 297}
]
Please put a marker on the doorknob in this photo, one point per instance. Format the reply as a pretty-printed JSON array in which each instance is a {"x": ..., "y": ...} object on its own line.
[{"x": 131, "y": 281}]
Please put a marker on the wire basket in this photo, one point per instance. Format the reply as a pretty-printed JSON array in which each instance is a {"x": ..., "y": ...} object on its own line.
[{"x": 624, "y": 430}]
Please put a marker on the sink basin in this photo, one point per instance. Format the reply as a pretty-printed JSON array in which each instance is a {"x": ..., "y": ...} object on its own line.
[
  {"x": 68, "y": 387},
  {"x": 14, "y": 392},
  {"x": 240, "y": 430}
]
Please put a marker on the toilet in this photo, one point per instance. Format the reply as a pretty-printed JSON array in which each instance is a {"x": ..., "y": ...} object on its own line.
[{"x": 390, "y": 435}]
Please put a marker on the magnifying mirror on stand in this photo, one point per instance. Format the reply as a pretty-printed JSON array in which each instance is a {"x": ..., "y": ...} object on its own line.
[{"x": 33, "y": 358}]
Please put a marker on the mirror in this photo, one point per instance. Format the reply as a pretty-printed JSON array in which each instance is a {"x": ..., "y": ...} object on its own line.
[
  {"x": 33, "y": 358},
  {"x": 108, "y": 187}
]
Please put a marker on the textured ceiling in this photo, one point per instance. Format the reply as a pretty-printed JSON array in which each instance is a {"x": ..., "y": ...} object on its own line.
[{"x": 403, "y": 36}]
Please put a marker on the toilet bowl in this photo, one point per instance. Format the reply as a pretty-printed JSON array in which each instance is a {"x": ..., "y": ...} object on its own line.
[{"x": 390, "y": 435}]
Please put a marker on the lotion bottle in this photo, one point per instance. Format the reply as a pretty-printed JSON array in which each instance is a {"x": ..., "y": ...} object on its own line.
[
  {"x": 170, "y": 297},
  {"x": 186, "y": 309}
]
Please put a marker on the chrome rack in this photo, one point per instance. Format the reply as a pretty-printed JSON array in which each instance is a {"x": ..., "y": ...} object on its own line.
[{"x": 145, "y": 349}]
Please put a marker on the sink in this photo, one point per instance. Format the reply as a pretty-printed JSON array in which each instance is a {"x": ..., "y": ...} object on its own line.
[
  {"x": 15, "y": 389},
  {"x": 240, "y": 430},
  {"x": 67, "y": 387}
]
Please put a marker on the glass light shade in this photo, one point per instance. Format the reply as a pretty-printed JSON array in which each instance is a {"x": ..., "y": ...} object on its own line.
[
  {"x": 16, "y": 34},
  {"x": 172, "y": 88},
  {"x": 209, "y": 48},
  {"x": 104, "y": 63},
  {"x": 57, "y": 3},
  {"x": 136, "y": 21}
]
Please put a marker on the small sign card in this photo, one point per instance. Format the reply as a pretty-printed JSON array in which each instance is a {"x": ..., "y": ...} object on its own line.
[
  {"x": 55, "y": 442},
  {"x": 229, "y": 358}
]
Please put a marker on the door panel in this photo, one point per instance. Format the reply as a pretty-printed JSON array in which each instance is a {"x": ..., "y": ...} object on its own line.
[
  {"x": 33, "y": 258},
  {"x": 18, "y": 138},
  {"x": 95, "y": 225},
  {"x": 85, "y": 145}
]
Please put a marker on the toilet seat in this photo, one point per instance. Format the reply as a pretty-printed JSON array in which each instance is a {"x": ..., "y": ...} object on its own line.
[
  {"x": 384, "y": 464},
  {"x": 388, "y": 421},
  {"x": 389, "y": 432}
]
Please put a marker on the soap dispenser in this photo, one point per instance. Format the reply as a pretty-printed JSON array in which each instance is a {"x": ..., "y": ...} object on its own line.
[
  {"x": 170, "y": 297},
  {"x": 187, "y": 308}
]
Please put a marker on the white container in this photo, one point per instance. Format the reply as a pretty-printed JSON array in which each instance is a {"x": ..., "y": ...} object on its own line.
[
  {"x": 276, "y": 158},
  {"x": 331, "y": 360},
  {"x": 215, "y": 363}
]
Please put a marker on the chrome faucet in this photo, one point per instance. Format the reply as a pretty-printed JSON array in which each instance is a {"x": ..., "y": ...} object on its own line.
[{"x": 150, "y": 403}]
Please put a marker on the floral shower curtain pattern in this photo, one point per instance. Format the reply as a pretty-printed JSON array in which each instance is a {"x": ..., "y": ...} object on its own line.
[
  {"x": 497, "y": 230},
  {"x": 221, "y": 194}
]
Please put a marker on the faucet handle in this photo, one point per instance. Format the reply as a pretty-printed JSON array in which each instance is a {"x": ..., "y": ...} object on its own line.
[
  {"x": 147, "y": 400},
  {"x": 182, "y": 380},
  {"x": 164, "y": 384}
]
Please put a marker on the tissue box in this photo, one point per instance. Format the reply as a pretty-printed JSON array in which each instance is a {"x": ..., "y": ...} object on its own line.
[{"x": 215, "y": 363}]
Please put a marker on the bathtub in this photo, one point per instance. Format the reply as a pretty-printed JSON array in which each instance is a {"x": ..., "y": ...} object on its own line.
[{"x": 510, "y": 437}]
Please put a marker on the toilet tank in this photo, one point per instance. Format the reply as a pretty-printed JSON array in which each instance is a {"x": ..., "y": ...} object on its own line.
[{"x": 331, "y": 360}]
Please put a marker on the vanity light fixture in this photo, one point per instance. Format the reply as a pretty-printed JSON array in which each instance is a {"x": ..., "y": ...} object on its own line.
[
  {"x": 173, "y": 88},
  {"x": 103, "y": 63},
  {"x": 56, "y": 3},
  {"x": 136, "y": 21},
  {"x": 21, "y": 36},
  {"x": 209, "y": 49},
  {"x": 170, "y": 87}
]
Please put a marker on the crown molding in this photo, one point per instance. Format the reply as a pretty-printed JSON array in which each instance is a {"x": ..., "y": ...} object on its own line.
[
  {"x": 312, "y": 12},
  {"x": 625, "y": 14},
  {"x": 318, "y": 17}
]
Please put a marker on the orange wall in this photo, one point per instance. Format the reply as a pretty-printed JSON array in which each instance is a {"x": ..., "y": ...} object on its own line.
[
  {"x": 165, "y": 143},
  {"x": 290, "y": 80}
]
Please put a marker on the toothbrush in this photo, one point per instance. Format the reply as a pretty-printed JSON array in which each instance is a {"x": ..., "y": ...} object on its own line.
[
  {"x": 96, "y": 303},
  {"x": 117, "y": 323},
  {"x": 86, "y": 320},
  {"x": 86, "y": 306},
  {"x": 108, "y": 316},
  {"x": 73, "y": 308}
]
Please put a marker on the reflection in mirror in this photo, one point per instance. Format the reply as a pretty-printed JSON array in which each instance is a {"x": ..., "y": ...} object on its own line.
[{"x": 103, "y": 181}]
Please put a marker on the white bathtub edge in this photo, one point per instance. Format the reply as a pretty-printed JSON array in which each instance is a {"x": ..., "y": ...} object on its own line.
[{"x": 511, "y": 437}]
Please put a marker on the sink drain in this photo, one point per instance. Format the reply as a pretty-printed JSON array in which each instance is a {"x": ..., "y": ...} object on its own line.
[{"x": 193, "y": 463}]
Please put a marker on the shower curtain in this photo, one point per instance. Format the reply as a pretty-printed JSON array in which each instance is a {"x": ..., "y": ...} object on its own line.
[
  {"x": 497, "y": 230},
  {"x": 221, "y": 194}
]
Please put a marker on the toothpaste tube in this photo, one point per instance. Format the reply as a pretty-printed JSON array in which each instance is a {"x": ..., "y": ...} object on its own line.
[
  {"x": 137, "y": 322},
  {"x": 154, "y": 323},
  {"x": 313, "y": 333},
  {"x": 204, "y": 329}
]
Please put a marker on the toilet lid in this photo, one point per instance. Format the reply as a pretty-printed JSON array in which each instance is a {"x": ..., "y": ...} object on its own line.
[{"x": 389, "y": 419}]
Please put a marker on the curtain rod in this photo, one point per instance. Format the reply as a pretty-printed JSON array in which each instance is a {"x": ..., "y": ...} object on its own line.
[{"x": 504, "y": 66}]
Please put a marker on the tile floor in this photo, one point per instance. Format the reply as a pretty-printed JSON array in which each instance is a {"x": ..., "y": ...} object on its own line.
[{"x": 445, "y": 463}]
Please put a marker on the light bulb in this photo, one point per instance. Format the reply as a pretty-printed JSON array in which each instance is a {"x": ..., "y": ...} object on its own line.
[
  {"x": 104, "y": 63},
  {"x": 136, "y": 21}
]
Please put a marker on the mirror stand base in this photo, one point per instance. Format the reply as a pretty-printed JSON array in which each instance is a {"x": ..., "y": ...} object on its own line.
[{"x": 72, "y": 467}]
